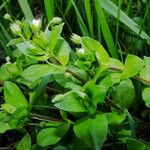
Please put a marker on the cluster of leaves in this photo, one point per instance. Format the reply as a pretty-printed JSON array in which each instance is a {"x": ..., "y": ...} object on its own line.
[{"x": 59, "y": 98}]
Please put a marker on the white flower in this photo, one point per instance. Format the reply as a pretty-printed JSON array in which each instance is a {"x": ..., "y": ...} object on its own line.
[
  {"x": 76, "y": 38},
  {"x": 36, "y": 22},
  {"x": 15, "y": 28},
  {"x": 7, "y": 16},
  {"x": 81, "y": 51}
]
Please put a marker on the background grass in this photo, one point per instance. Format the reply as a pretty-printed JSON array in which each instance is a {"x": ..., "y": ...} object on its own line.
[{"x": 118, "y": 25}]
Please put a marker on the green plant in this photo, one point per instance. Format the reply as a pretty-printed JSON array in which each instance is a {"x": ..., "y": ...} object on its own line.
[{"x": 58, "y": 98}]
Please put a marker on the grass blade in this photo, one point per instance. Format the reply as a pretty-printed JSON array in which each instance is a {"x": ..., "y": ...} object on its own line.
[
  {"x": 49, "y": 8},
  {"x": 69, "y": 5},
  {"x": 26, "y": 9},
  {"x": 87, "y": 5},
  {"x": 80, "y": 20},
  {"x": 106, "y": 31},
  {"x": 118, "y": 21},
  {"x": 112, "y": 9}
]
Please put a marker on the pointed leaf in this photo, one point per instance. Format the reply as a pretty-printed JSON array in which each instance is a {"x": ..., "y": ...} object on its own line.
[
  {"x": 13, "y": 95},
  {"x": 49, "y": 136},
  {"x": 146, "y": 96},
  {"x": 35, "y": 72},
  {"x": 124, "y": 93},
  {"x": 25, "y": 143},
  {"x": 133, "y": 65},
  {"x": 95, "y": 46},
  {"x": 145, "y": 73},
  {"x": 55, "y": 34},
  {"x": 92, "y": 130},
  {"x": 62, "y": 51},
  {"x": 69, "y": 102}
]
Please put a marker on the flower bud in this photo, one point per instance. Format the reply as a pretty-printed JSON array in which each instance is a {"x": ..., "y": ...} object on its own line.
[
  {"x": 15, "y": 28},
  {"x": 81, "y": 51},
  {"x": 7, "y": 16},
  {"x": 55, "y": 21},
  {"x": 8, "y": 59},
  {"x": 36, "y": 24},
  {"x": 76, "y": 39},
  {"x": 18, "y": 22}
]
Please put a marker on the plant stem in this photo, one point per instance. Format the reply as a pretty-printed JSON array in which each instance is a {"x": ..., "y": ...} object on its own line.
[
  {"x": 71, "y": 72},
  {"x": 110, "y": 102},
  {"x": 44, "y": 118},
  {"x": 76, "y": 76},
  {"x": 135, "y": 77}
]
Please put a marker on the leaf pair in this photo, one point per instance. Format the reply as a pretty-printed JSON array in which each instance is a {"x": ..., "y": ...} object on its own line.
[{"x": 16, "y": 105}]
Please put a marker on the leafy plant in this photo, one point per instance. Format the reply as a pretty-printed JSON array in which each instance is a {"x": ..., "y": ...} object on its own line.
[{"x": 57, "y": 97}]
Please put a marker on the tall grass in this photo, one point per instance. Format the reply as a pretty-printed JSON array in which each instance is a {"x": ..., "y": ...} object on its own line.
[
  {"x": 112, "y": 9},
  {"x": 50, "y": 8},
  {"x": 105, "y": 30},
  {"x": 26, "y": 9},
  {"x": 105, "y": 20},
  {"x": 80, "y": 20},
  {"x": 87, "y": 5}
]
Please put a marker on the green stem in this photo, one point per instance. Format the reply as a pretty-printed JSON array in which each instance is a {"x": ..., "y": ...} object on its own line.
[
  {"x": 111, "y": 103},
  {"x": 135, "y": 77},
  {"x": 44, "y": 118}
]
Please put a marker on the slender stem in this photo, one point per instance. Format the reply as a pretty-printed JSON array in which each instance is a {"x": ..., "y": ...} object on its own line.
[
  {"x": 71, "y": 72},
  {"x": 142, "y": 80},
  {"x": 44, "y": 118},
  {"x": 76, "y": 76},
  {"x": 53, "y": 89},
  {"x": 9, "y": 147},
  {"x": 135, "y": 77},
  {"x": 110, "y": 102},
  {"x": 33, "y": 124},
  {"x": 22, "y": 37}
]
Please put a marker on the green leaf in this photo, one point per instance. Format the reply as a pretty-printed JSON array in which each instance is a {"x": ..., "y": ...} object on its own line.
[
  {"x": 133, "y": 65},
  {"x": 69, "y": 102},
  {"x": 13, "y": 95},
  {"x": 25, "y": 143},
  {"x": 60, "y": 147},
  {"x": 49, "y": 136},
  {"x": 94, "y": 92},
  {"x": 116, "y": 64},
  {"x": 62, "y": 51},
  {"x": 8, "y": 108},
  {"x": 92, "y": 130},
  {"x": 35, "y": 72},
  {"x": 26, "y": 28},
  {"x": 93, "y": 45},
  {"x": 115, "y": 118},
  {"x": 18, "y": 118},
  {"x": 14, "y": 42},
  {"x": 124, "y": 93},
  {"x": 55, "y": 34},
  {"x": 146, "y": 96},
  {"x": 145, "y": 73},
  {"x": 12, "y": 68},
  {"x": 24, "y": 48},
  {"x": 135, "y": 144},
  {"x": 4, "y": 73},
  {"x": 4, "y": 118}
]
